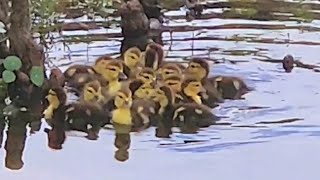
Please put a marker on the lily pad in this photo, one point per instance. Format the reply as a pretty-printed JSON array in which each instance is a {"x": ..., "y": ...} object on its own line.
[
  {"x": 8, "y": 76},
  {"x": 37, "y": 75},
  {"x": 12, "y": 63}
]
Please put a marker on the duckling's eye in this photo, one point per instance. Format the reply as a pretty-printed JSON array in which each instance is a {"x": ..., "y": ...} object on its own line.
[
  {"x": 197, "y": 85},
  {"x": 112, "y": 69},
  {"x": 167, "y": 72},
  {"x": 171, "y": 83},
  {"x": 192, "y": 66},
  {"x": 132, "y": 57},
  {"x": 90, "y": 91}
]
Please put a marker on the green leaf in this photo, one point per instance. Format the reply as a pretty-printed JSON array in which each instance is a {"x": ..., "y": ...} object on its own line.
[
  {"x": 8, "y": 76},
  {"x": 12, "y": 63},
  {"x": 37, "y": 75}
]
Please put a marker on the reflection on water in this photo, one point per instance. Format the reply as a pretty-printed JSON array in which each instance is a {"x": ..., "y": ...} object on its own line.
[{"x": 281, "y": 113}]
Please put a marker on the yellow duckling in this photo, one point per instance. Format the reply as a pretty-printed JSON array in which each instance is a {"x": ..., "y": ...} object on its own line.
[
  {"x": 191, "y": 89},
  {"x": 132, "y": 61},
  {"x": 56, "y": 98},
  {"x": 122, "y": 112},
  {"x": 113, "y": 73}
]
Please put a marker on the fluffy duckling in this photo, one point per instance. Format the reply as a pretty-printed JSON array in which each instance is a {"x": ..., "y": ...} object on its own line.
[
  {"x": 169, "y": 69},
  {"x": 147, "y": 76},
  {"x": 191, "y": 116},
  {"x": 88, "y": 114},
  {"x": 132, "y": 61},
  {"x": 113, "y": 74},
  {"x": 164, "y": 98},
  {"x": 199, "y": 69},
  {"x": 191, "y": 91},
  {"x": 230, "y": 87},
  {"x": 122, "y": 113},
  {"x": 78, "y": 75},
  {"x": 143, "y": 107},
  {"x": 57, "y": 99},
  {"x": 153, "y": 56}
]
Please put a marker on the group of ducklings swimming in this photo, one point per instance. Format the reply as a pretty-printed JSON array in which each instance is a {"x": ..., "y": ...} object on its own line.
[{"x": 140, "y": 89}]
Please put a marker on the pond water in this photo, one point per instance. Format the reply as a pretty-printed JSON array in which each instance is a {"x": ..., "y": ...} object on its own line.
[{"x": 254, "y": 143}]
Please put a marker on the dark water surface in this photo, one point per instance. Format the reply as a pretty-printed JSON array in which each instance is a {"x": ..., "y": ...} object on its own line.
[{"x": 280, "y": 140}]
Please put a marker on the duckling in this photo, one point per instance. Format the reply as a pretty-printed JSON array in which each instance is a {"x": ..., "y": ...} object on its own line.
[
  {"x": 122, "y": 113},
  {"x": 191, "y": 90},
  {"x": 191, "y": 116},
  {"x": 101, "y": 63},
  {"x": 164, "y": 98},
  {"x": 113, "y": 73},
  {"x": 153, "y": 56},
  {"x": 199, "y": 69},
  {"x": 288, "y": 63},
  {"x": 147, "y": 75},
  {"x": 78, "y": 75},
  {"x": 88, "y": 114},
  {"x": 143, "y": 107},
  {"x": 76, "y": 69},
  {"x": 80, "y": 80},
  {"x": 132, "y": 61},
  {"x": 169, "y": 69},
  {"x": 230, "y": 87},
  {"x": 57, "y": 99}
]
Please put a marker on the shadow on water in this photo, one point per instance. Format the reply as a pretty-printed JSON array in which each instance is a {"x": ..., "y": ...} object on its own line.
[{"x": 247, "y": 39}]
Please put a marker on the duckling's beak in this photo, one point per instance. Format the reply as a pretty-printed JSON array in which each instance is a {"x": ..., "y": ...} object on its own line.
[
  {"x": 203, "y": 90},
  {"x": 127, "y": 103},
  {"x": 123, "y": 76}
]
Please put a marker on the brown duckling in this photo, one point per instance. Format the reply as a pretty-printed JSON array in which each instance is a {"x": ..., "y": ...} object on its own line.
[
  {"x": 230, "y": 87},
  {"x": 191, "y": 116},
  {"x": 88, "y": 115},
  {"x": 164, "y": 98},
  {"x": 288, "y": 63},
  {"x": 153, "y": 56},
  {"x": 168, "y": 69}
]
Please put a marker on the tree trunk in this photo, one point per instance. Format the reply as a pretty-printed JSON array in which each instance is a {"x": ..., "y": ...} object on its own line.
[{"x": 21, "y": 41}]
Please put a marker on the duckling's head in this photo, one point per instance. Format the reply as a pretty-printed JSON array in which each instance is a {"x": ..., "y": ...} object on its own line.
[
  {"x": 174, "y": 82},
  {"x": 101, "y": 64},
  {"x": 154, "y": 55},
  {"x": 191, "y": 86},
  {"x": 147, "y": 75},
  {"x": 288, "y": 63},
  {"x": 113, "y": 71},
  {"x": 167, "y": 70},
  {"x": 163, "y": 94},
  {"x": 198, "y": 68},
  {"x": 132, "y": 58},
  {"x": 140, "y": 89},
  {"x": 56, "y": 96},
  {"x": 123, "y": 99},
  {"x": 92, "y": 91}
]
